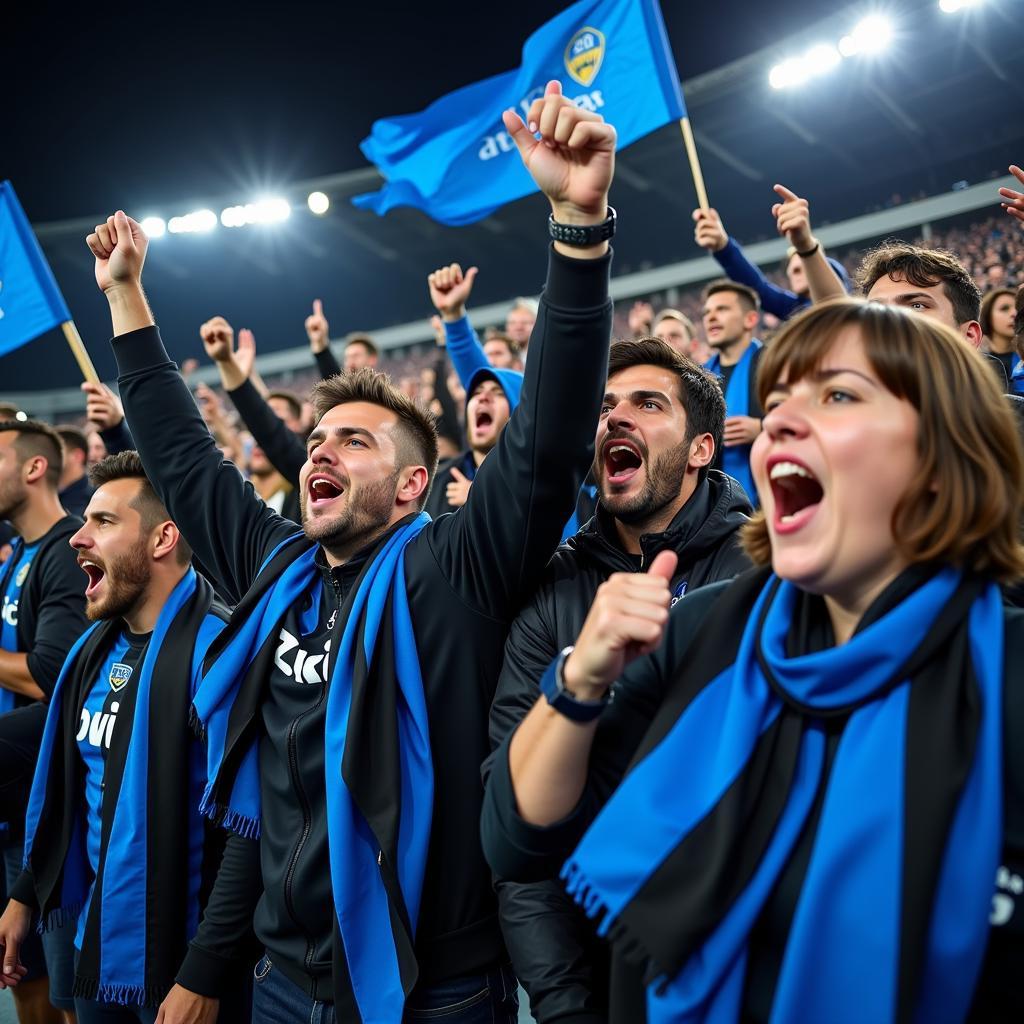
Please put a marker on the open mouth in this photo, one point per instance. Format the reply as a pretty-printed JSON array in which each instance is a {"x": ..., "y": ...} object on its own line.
[
  {"x": 797, "y": 494},
  {"x": 323, "y": 490},
  {"x": 483, "y": 420},
  {"x": 95, "y": 574},
  {"x": 622, "y": 461}
]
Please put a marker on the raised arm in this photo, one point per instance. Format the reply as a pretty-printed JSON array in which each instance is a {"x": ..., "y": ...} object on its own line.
[
  {"x": 104, "y": 412},
  {"x": 449, "y": 291},
  {"x": 218, "y": 512},
  {"x": 318, "y": 332},
  {"x": 500, "y": 541},
  {"x": 793, "y": 219}
]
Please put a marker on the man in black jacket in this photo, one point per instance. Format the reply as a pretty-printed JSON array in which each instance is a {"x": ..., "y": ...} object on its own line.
[
  {"x": 661, "y": 423},
  {"x": 367, "y": 473},
  {"x": 43, "y": 614}
]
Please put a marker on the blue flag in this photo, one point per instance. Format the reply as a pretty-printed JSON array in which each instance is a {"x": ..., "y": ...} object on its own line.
[
  {"x": 30, "y": 301},
  {"x": 455, "y": 161}
]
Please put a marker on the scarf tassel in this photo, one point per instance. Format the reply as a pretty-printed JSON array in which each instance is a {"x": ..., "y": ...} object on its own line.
[
  {"x": 220, "y": 814},
  {"x": 58, "y": 917},
  {"x": 119, "y": 995}
]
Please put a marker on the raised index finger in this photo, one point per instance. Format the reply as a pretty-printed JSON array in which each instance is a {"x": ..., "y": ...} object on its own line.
[{"x": 785, "y": 193}]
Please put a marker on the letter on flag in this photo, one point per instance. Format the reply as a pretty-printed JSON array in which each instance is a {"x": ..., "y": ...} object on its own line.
[
  {"x": 30, "y": 301},
  {"x": 455, "y": 161}
]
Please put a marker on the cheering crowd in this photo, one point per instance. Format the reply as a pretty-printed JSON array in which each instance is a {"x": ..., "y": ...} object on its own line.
[{"x": 670, "y": 677}]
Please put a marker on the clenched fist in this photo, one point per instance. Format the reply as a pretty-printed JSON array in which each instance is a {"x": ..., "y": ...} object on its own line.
[
  {"x": 119, "y": 246},
  {"x": 218, "y": 339},
  {"x": 710, "y": 233},
  {"x": 450, "y": 290}
]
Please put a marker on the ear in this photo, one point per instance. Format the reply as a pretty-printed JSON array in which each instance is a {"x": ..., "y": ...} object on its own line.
[
  {"x": 971, "y": 330},
  {"x": 751, "y": 320},
  {"x": 164, "y": 539},
  {"x": 412, "y": 484},
  {"x": 35, "y": 468},
  {"x": 702, "y": 452}
]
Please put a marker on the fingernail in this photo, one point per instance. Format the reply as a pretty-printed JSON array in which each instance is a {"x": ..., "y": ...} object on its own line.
[{"x": 533, "y": 126}]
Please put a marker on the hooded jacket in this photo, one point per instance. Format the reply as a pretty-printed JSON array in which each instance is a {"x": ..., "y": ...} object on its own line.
[{"x": 555, "y": 954}]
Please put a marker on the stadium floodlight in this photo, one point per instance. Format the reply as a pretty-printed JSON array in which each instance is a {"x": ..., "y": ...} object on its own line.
[
  {"x": 21, "y": 416},
  {"x": 870, "y": 35},
  {"x": 196, "y": 221},
  {"x": 821, "y": 59},
  {"x": 153, "y": 226},
  {"x": 264, "y": 211},
  {"x": 955, "y": 6},
  {"x": 318, "y": 203},
  {"x": 788, "y": 73}
]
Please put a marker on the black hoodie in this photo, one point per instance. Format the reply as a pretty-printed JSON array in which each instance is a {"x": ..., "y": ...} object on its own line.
[{"x": 556, "y": 956}]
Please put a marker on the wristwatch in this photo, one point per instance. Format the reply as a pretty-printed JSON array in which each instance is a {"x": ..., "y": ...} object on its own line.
[
  {"x": 552, "y": 685},
  {"x": 582, "y": 235}
]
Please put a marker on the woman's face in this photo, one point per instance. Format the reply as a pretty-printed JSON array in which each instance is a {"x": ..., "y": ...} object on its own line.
[
  {"x": 1003, "y": 313},
  {"x": 836, "y": 455}
]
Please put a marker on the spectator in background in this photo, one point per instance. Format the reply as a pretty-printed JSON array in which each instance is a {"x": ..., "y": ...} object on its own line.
[
  {"x": 287, "y": 408},
  {"x": 97, "y": 449},
  {"x": 359, "y": 351},
  {"x": 672, "y": 326},
  {"x": 813, "y": 277},
  {"x": 502, "y": 352},
  {"x": 996, "y": 319},
  {"x": 75, "y": 491},
  {"x": 519, "y": 323},
  {"x": 104, "y": 414},
  {"x": 731, "y": 314}
]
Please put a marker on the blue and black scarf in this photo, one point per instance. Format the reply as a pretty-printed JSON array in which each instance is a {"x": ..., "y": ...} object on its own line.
[
  {"x": 380, "y": 779},
  {"x": 736, "y": 458},
  {"x": 891, "y": 921},
  {"x": 145, "y": 902}
]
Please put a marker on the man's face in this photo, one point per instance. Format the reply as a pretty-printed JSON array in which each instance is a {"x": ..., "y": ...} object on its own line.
[
  {"x": 357, "y": 355},
  {"x": 97, "y": 449},
  {"x": 797, "y": 276},
  {"x": 74, "y": 466},
  {"x": 259, "y": 464},
  {"x": 674, "y": 333},
  {"x": 13, "y": 491},
  {"x": 931, "y": 301},
  {"x": 726, "y": 320},
  {"x": 113, "y": 551},
  {"x": 996, "y": 275},
  {"x": 518, "y": 325},
  {"x": 349, "y": 482},
  {"x": 285, "y": 413},
  {"x": 487, "y": 412},
  {"x": 498, "y": 354},
  {"x": 640, "y": 451}
]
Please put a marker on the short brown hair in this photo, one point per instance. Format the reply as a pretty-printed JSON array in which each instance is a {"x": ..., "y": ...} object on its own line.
[
  {"x": 963, "y": 505},
  {"x": 679, "y": 317},
  {"x": 36, "y": 438},
  {"x": 73, "y": 438},
  {"x": 416, "y": 440},
  {"x": 497, "y": 335},
  {"x": 127, "y": 465},
  {"x": 923, "y": 268},
  {"x": 700, "y": 394},
  {"x": 987, "y": 302},
  {"x": 747, "y": 296},
  {"x": 357, "y": 338},
  {"x": 291, "y": 398}
]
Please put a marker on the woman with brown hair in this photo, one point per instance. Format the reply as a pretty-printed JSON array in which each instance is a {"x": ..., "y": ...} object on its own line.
[
  {"x": 997, "y": 313},
  {"x": 826, "y": 755}
]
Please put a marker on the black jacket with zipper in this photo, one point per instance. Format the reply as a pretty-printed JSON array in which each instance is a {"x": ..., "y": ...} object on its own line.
[
  {"x": 467, "y": 575},
  {"x": 557, "y": 957}
]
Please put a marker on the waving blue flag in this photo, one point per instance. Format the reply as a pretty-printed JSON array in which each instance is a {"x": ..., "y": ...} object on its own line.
[
  {"x": 30, "y": 301},
  {"x": 455, "y": 161}
]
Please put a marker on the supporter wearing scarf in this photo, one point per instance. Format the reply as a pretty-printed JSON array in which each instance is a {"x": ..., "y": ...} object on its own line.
[
  {"x": 899, "y": 883},
  {"x": 144, "y": 901},
  {"x": 378, "y": 759},
  {"x": 736, "y": 457}
]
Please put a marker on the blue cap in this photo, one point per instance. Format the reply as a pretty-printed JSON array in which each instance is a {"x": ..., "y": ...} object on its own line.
[{"x": 511, "y": 382}]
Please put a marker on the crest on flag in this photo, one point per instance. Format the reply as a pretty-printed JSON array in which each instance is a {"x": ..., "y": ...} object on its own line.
[
  {"x": 584, "y": 54},
  {"x": 119, "y": 675}
]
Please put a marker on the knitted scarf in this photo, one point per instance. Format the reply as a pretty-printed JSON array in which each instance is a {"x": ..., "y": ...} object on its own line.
[
  {"x": 145, "y": 902},
  {"x": 380, "y": 780},
  {"x": 892, "y": 918}
]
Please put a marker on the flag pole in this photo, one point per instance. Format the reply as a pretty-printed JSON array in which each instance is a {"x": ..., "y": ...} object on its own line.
[
  {"x": 74, "y": 340},
  {"x": 691, "y": 152}
]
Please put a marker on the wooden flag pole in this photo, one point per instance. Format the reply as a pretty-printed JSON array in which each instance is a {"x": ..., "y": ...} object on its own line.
[
  {"x": 74, "y": 340},
  {"x": 691, "y": 152}
]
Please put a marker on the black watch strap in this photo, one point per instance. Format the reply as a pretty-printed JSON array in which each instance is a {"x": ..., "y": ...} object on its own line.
[
  {"x": 582, "y": 235},
  {"x": 552, "y": 685}
]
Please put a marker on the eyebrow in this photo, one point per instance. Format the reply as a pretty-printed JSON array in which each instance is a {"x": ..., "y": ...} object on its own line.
[
  {"x": 820, "y": 376},
  {"x": 912, "y": 296},
  {"x": 639, "y": 396},
  {"x": 320, "y": 434}
]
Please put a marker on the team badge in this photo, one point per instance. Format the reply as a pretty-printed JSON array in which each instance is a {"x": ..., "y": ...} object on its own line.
[
  {"x": 119, "y": 675},
  {"x": 680, "y": 591},
  {"x": 584, "y": 54},
  {"x": 22, "y": 574}
]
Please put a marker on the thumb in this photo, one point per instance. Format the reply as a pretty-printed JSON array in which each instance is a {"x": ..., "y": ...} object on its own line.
[
  {"x": 125, "y": 242},
  {"x": 458, "y": 476},
  {"x": 664, "y": 565},
  {"x": 89, "y": 388},
  {"x": 318, "y": 307},
  {"x": 470, "y": 276},
  {"x": 11, "y": 955},
  {"x": 521, "y": 135}
]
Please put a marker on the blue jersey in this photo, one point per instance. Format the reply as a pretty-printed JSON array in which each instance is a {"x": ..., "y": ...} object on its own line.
[{"x": 15, "y": 573}]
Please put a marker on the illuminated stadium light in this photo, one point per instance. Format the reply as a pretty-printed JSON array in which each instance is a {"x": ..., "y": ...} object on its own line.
[
  {"x": 789, "y": 72},
  {"x": 870, "y": 35},
  {"x": 954, "y": 6},
  {"x": 153, "y": 226},
  {"x": 265, "y": 211},
  {"x": 822, "y": 59},
  {"x": 318, "y": 203},
  {"x": 197, "y": 221}
]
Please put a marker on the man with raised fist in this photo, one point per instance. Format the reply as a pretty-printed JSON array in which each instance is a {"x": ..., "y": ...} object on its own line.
[{"x": 345, "y": 705}]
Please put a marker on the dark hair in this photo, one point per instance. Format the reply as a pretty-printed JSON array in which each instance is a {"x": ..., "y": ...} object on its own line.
[
  {"x": 287, "y": 396},
  {"x": 747, "y": 296},
  {"x": 73, "y": 438},
  {"x": 700, "y": 394},
  {"x": 362, "y": 339},
  {"x": 416, "y": 438},
  {"x": 987, "y": 302},
  {"x": 513, "y": 348},
  {"x": 923, "y": 268},
  {"x": 127, "y": 465},
  {"x": 963, "y": 504},
  {"x": 36, "y": 438}
]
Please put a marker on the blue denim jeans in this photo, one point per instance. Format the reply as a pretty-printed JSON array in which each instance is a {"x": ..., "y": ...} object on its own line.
[
  {"x": 489, "y": 998},
  {"x": 88, "y": 1011}
]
